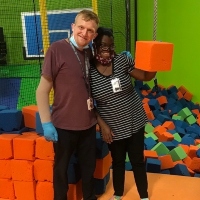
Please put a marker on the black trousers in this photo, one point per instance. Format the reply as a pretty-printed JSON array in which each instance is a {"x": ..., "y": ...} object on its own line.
[
  {"x": 84, "y": 143},
  {"x": 135, "y": 147}
]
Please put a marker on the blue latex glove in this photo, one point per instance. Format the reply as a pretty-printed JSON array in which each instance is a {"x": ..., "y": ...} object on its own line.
[
  {"x": 50, "y": 132},
  {"x": 127, "y": 53}
]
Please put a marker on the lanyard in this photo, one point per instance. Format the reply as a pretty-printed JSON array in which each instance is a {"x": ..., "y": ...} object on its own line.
[{"x": 86, "y": 73}]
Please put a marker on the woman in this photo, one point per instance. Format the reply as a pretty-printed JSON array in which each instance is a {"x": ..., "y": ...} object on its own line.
[{"x": 121, "y": 110}]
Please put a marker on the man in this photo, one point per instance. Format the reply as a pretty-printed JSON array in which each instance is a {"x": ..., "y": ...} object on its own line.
[{"x": 71, "y": 124}]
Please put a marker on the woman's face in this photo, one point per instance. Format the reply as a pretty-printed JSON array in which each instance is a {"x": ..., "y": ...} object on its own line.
[{"x": 106, "y": 47}]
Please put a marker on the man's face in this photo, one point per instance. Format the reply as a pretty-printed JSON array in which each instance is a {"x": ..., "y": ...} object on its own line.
[{"x": 84, "y": 31}]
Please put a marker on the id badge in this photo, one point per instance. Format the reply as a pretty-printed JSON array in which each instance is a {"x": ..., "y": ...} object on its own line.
[
  {"x": 90, "y": 104},
  {"x": 116, "y": 85}
]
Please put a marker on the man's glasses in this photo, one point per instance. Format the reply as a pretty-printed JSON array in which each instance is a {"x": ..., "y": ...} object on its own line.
[{"x": 106, "y": 48}]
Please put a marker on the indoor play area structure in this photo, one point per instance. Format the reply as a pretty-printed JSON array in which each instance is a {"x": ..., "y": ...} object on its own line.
[{"x": 162, "y": 36}]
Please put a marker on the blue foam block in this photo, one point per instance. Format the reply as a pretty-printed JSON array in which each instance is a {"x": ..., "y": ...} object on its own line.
[
  {"x": 149, "y": 143},
  {"x": 198, "y": 153},
  {"x": 163, "y": 118},
  {"x": 100, "y": 184},
  {"x": 197, "y": 175},
  {"x": 170, "y": 145},
  {"x": 128, "y": 166},
  {"x": 39, "y": 128},
  {"x": 188, "y": 140},
  {"x": 172, "y": 89},
  {"x": 175, "y": 109},
  {"x": 74, "y": 173},
  {"x": 180, "y": 131},
  {"x": 179, "y": 169},
  {"x": 10, "y": 120},
  {"x": 101, "y": 147},
  {"x": 166, "y": 171},
  {"x": 155, "y": 122},
  {"x": 154, "y": 104},
  {"x": 174, "y": 95},
  {"x": 153, "y": 165},
  {"x": 181, "y": 123}
]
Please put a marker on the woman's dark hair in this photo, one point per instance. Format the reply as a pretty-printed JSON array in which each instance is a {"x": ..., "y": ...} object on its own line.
[{"x": 101, "y": 32}]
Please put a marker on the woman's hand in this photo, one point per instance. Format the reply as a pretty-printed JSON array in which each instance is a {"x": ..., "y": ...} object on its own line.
[{"x": 107, "y": 133}]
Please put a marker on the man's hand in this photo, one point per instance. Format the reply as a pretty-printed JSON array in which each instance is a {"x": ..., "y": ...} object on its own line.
[{"x": 50, "y": 132}]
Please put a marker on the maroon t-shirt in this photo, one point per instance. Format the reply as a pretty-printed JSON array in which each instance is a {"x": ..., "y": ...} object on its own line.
[{"x": 69, "y": 109}]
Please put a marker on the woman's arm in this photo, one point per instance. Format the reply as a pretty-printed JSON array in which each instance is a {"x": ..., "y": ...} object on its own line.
[
  {"x": 141, "y": 75},
  {"x": 105, "y": 129}
]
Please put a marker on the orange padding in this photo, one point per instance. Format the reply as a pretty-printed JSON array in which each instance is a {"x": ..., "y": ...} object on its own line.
[{"x": 153, "y": 55}]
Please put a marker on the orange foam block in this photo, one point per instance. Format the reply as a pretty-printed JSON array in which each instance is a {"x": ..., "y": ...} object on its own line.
[
  {"x": 6, "y": 145},
  {"x": 153, "y": 55},
  {"x": 44, "y": 149},
  {"x": 169, "y": 125},
  {"x": 29, "y": 113},
  {"x": 166, "y": 162},
  {"x": 192, "y": 151},
  {"x": 188, "y": 96},
  {"x": 25, "y": 190},
  {"x": 150, "y": 154},
  {"x": 187, "y": 161},
  {"x": 43, "y": 170},
  {"x": 24, "y": 146},
  {"x": 22, "y": 170},
  {"x": 159, "y": 130},
  {"x": 182, "y": 89},
  {"x": 44, "y": 186},
  {"x": 162, "y": 100},
  {"x": 165, "y": 136},
  {"x": 75, "y": 191},
  {"x": 7, "y": 189},
  {"x": 150, "y": 115},
  {"x": 5, "y": 169},
  {"x": 180, "y": 95},
  {"x": 195, "y": 165},
  {"x": 103, "y": 166}
]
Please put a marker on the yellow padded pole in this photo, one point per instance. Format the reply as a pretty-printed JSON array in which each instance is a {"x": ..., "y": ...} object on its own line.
[
  {"x": 44, "y": 23},
  {"x": 95, "y": 6},
  {"x": 45, "y": 34}
]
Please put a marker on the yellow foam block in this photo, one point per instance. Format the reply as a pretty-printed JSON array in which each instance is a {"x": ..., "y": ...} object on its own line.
[{"x": 153, "y": 55}]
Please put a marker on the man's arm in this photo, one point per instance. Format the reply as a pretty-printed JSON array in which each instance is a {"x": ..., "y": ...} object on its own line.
[{"x": 42, "y": 97}]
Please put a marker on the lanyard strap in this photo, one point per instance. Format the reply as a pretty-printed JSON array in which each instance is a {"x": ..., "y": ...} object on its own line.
[{"x": 87, "y": 66}]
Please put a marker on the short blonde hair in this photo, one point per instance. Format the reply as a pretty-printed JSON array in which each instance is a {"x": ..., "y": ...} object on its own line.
[{"x": 88, "y": 15}]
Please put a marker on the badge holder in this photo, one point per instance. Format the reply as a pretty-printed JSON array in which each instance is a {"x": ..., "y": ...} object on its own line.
[
  {"x": 90, "y": 104},
  {"x": 116, "y": 85}
]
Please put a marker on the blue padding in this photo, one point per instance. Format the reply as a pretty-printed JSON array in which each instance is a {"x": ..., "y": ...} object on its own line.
[
  {"x": 9, "y": 92},
  {"x": 2, "y": 107},
  {"x": 10, "y": 120}
]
